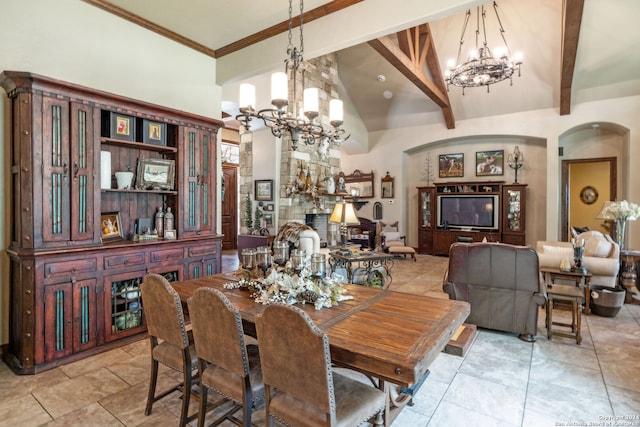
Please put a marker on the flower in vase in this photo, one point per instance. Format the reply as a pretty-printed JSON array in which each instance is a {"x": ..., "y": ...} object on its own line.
[{"x": 622, "y": 211}]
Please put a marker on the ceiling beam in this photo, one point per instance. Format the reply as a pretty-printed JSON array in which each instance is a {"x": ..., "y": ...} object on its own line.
[
  {"x": 415, "y": 49},
  {"x": 571, "y": 22},
  {"x": 274, "y": 30},
  {"x": 312, "y": 15}
]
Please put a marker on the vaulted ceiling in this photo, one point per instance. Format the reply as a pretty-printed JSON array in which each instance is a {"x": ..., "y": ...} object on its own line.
[{"x": 390, "y": 59}]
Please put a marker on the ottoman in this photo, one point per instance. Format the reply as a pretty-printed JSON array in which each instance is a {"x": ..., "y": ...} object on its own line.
[{"x": 403, "y": 250}]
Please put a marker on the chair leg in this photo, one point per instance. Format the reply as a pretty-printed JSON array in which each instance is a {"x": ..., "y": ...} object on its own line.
[
  {"x": 186, "y": 396},
  {"x": 203, "y": 405},
  {"x": 152, "y": 386}
]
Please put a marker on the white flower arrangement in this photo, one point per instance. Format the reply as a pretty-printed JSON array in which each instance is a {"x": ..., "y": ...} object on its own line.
[
  {"x": 285, "y": 286},
  {"x": 622, "y": 211}
]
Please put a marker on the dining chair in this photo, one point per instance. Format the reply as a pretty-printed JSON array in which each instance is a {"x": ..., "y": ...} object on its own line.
[
  {"x": 300, "y": 386},
  {"x": 226, "y": 365},
  {"x": 170, "y": 342}
]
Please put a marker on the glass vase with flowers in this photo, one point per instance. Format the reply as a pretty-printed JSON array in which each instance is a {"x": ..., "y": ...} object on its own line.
[{"x": 622, "y": 212}]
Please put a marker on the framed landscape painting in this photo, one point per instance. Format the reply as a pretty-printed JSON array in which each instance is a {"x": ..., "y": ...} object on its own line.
[
  {"x": 490, "y": 163},
  {"x": 451, "y": 165}
]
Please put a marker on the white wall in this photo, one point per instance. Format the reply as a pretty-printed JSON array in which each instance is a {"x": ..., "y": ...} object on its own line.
[
  {"x": 402, "y": 152},
  {"x": 75, "y": 42}
]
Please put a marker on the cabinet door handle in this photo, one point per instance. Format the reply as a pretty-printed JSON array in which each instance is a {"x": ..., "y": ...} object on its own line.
[
  {"x": 76, "y": 169},
  {"x": 65, "y": 170}
]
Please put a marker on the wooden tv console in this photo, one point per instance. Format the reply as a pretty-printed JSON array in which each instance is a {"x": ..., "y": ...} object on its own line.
[{"x": 436, "y": 240}]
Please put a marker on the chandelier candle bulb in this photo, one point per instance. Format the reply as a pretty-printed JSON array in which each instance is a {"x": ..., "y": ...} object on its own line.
[
  {"x": 247, "y": 96},
  {"x": 336, "y": 112},
  {"x": 311, "y": 102},
  {"x": 279, "y": 90}
]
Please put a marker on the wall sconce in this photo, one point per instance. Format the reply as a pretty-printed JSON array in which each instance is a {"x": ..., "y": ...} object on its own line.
[{"x": 516, "y": 161}]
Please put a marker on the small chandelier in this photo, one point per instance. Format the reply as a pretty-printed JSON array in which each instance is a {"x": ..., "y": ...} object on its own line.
[
  {"x": 483, "y": 67},
  {"x": 300, "y": 123}
]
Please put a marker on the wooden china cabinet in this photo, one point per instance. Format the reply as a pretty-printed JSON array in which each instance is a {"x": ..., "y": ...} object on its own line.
[{"x": 73, "y": 293}]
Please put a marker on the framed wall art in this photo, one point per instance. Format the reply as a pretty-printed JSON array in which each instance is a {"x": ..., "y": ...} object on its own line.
[
  {"x": 451, "y": 165},
  {"x": 123, "y": 126},
  {"x": 490, "y": 163},
  {"x": 268, "y": 220},
  {"x": 155, "y": 174},
  {"x": 154, "y": 132},
  {"x": 263, "y": 190},
  {"x": 111, "y": 227}
]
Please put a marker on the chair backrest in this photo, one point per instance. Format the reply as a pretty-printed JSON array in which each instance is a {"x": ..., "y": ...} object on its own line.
[
  {"x": 163, "y": 311},
  {"x": 217, "y": 331},
  {"x": 295, "y": 356},
  {"x": 496, "y": 265}
]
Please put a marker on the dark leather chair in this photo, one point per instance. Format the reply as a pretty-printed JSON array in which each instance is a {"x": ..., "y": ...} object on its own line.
[
  {"x": 301, "y": 388},
  {"x": 227, "y": 366},
  {"x": 502, "y": 283},
  {"x": 171, "y": 345}
]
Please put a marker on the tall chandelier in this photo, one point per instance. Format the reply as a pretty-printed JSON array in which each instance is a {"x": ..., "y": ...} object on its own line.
[
  {"x": 483, "y": 67},
  {"x": 300, "y": 123}
]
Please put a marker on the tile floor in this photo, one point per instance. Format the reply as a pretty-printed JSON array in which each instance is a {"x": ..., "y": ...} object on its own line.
[{"x": 501, "y": 381}]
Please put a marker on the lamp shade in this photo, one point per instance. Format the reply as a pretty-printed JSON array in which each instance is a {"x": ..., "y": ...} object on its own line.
[
  {"x": 344, "y": 213},
  {"x": 602, "y": 214},
  {"x": 279, "y": 87}
]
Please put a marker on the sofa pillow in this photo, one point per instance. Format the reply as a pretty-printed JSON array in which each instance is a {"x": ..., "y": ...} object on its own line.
[
  {"x": 389, "y": 227},
  {"x": 557, "y": 251},
  {"x": 597, "y": 246}
]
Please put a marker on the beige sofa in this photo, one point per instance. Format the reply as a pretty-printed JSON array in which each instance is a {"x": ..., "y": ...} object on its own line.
[{"x": 601, "y": 256}]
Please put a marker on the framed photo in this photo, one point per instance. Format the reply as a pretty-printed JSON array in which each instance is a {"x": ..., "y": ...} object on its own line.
[
  {"x": 263, "y": 190},
  {"x": 111, "y": 227},
  {"x": 170, "y": 234},
  {"x": 154, "y": 132},
  {"x": 490, "y": 163},
  {"x": 268, "y": 220},
  {"x": 155, "y": 174},
  {"x": 451, "y": 165},
  {"x": 269, "y": 207},
  {"x": 123, "y": 126}
]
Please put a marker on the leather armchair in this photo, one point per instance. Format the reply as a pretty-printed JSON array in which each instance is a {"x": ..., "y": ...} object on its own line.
[{"x": 502, "y": 283}]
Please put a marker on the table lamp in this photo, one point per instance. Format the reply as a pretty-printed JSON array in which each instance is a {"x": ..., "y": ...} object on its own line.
[{"x": 344, "y": 214}]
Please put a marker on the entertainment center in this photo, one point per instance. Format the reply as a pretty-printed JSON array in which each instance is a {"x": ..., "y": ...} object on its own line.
[{"x": 470, "y": 212}]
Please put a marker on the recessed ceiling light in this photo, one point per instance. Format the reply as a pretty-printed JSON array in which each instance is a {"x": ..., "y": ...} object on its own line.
[
  {"x": 387, "y": 94},
  {"x": 381, "y": 78}
]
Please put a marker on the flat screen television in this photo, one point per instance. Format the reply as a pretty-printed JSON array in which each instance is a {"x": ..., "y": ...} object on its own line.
[{"x": 468, "y": 211}]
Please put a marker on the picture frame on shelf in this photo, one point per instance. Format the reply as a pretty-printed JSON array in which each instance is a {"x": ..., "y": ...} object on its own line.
[
  {"x": 123, "y": 126},
  {"x": 269, "y": 207},
  {"x": 451, "y": 165},
  {"x": 263, "y": 190},
  {"x": 170, "y": 234},
  {"x": 155, "y": 174},
  {"x": 154, "y": 132},
  {"x": 490, "y": 163},
  {"x": 111, "y": 227}
]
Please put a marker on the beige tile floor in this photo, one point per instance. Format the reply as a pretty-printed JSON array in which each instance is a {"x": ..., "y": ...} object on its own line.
[{"x": 501, "y": 381}]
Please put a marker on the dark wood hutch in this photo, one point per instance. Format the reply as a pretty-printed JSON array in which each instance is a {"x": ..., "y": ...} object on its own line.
[
  {"x": 510, "y": 228},
  {"x": 71, "y": 294}
]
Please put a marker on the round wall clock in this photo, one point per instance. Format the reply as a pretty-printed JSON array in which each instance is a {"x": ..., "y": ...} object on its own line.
[{"x": 589, "y": 195}]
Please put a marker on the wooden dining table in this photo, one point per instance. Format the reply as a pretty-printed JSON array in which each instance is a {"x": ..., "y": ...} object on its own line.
[{"x": 389, "y": 336}]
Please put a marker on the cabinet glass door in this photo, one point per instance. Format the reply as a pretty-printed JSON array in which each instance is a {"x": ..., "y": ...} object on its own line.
[
  {"x": 425, "y": 209},
  {"x": 514, "y": 200}
]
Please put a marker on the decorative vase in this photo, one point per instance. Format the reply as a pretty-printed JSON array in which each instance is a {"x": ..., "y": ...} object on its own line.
[
  {"x": 124, "y": 180},
  {"x": 105, "y": 170},
  {"x": 331, "y": 185},
  {"x": 621, "y": 225}
]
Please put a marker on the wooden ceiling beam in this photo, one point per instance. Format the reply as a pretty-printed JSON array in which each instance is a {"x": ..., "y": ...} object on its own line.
[
  {"x": 571, "y": 22},
  {"x": 415, "y": 48},
  {"x": 312, "y": 15},
  {"x": 274, "y": 30}
]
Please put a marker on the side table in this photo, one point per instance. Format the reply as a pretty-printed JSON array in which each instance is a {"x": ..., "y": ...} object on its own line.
[
  {"x": 553, "y": 274},
  {"x": 564, "y": 294},
  {"x": 629, "y": 271},
  {"x": 369, "y": 261}
]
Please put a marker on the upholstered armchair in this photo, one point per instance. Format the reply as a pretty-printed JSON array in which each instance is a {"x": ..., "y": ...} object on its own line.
[{"x": 502, "y": 283}]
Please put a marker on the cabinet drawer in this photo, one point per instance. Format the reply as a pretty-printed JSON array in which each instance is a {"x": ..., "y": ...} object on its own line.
[
  {"x": 167, "y": 254},
  {"x": 61, "y": 268},
  {"x": 124, "y": 260},
  {"x": 203, "y": 250}
]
